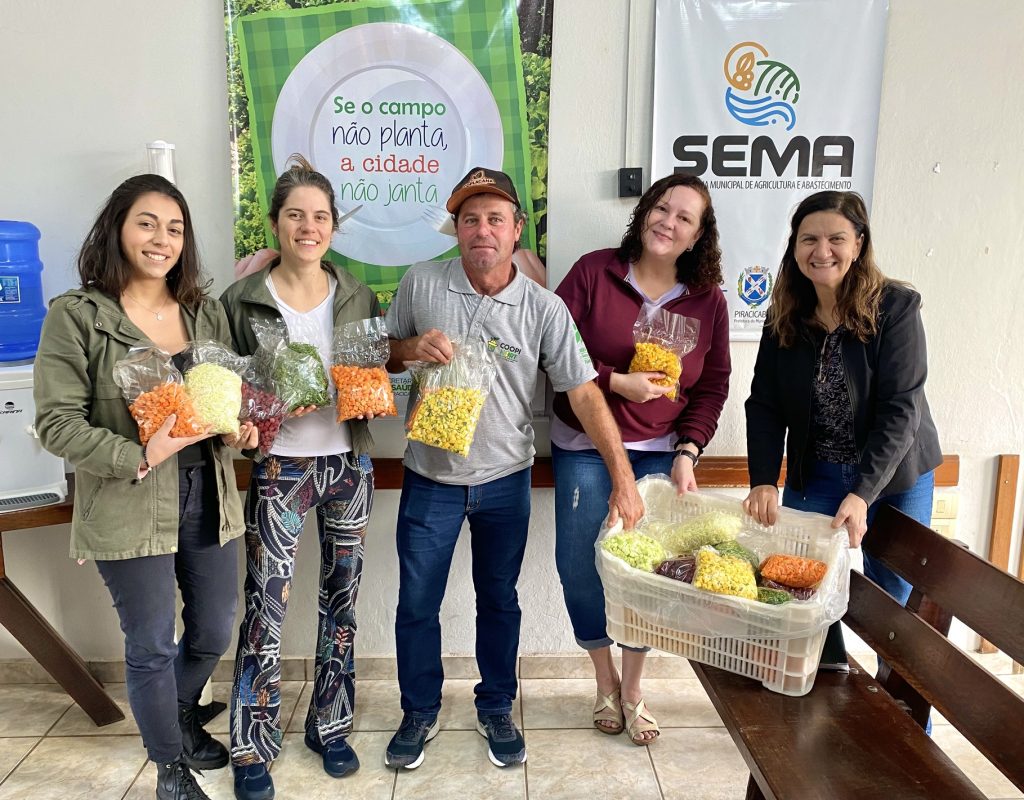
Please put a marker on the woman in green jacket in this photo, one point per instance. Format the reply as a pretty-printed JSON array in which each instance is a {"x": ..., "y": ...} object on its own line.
[
  {"x": 156, "y": 515},
  {"x": 314, "y": 463}
]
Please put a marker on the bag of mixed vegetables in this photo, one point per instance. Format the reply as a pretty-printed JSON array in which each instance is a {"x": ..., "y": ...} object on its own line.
[{"x": 451, "y": 396}]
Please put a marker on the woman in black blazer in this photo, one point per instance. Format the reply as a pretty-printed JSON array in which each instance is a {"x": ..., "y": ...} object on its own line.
[{"x": 840, "y": 379}]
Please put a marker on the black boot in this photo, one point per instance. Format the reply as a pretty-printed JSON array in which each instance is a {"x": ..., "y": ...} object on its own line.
[
  {"x": 175, "y": 781},
  {"x": 201, "y": 751}
]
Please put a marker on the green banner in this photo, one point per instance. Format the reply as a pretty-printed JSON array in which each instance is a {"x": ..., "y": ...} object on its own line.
[{"x": 394, "y": 101}]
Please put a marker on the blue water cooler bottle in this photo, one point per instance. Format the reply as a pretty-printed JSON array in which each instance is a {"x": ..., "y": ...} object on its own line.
[
  {"x": 29, "y": 476},
  {"x": 21, "y": 290}
]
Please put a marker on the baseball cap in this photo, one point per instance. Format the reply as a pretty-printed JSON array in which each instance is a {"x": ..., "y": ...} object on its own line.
[{"x": 481, "y": 180}]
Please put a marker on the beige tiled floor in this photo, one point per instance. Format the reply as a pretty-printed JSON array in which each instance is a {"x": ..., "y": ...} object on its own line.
[{"x": 50, "y": 749}]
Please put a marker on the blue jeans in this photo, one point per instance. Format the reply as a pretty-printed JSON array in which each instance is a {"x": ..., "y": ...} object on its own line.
[
  {"x": 828, "y": 486},
  {"x": 160, "y": 674},
  {"x": 430, "y": 517},
  {"x": 582, "y": 486}
]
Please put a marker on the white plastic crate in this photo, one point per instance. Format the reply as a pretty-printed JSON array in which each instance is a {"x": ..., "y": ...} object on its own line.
[{"x": 777, "y": 645}]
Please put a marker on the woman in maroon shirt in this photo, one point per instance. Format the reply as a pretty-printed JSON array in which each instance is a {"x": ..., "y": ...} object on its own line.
[{"x": 669, "y": 259}]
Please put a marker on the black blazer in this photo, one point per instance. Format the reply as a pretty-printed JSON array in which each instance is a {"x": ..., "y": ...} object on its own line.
[{"x": 893, "y": 428}]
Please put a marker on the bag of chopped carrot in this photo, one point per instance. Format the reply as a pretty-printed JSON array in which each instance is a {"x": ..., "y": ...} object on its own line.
[
  {"x": 154, "y": 389},
  {"x": 359, "y": 352}
]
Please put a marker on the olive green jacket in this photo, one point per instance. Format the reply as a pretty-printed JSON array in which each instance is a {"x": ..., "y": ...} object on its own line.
[
  {"x": 249, "y": 299},
  {"x": 82, "y": 416}
]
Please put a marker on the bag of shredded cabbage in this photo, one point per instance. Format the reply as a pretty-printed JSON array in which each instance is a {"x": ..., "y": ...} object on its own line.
[
  {"x": 213, "y": 381},
  {"x": 639, "y": 551}
]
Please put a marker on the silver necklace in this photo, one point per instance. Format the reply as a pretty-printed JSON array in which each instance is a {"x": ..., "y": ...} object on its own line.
[{"x": 158, "y": 313}]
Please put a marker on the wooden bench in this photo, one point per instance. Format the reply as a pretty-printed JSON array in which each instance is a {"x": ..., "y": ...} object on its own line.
[{"x": 853, "y": 736}]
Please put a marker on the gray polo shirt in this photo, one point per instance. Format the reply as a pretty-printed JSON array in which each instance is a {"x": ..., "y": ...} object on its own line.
[{"x": 527, "y": 327}]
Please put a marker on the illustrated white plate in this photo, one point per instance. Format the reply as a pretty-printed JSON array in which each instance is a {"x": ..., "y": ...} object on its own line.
[{"x": 387, "y": 63}]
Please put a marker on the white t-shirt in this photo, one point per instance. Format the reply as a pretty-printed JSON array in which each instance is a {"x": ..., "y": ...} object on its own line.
[{"x": 315, "y": 434}]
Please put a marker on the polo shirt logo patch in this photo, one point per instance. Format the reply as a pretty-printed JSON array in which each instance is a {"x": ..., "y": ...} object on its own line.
[
  {"x": 581, "y": 348},
  {"x": 509, "y": 352}
]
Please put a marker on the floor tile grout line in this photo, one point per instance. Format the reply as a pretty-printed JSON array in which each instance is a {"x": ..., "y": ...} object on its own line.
[
  {"x": 657, "y": 777},
  {"x": 57, "y": 721},
  {"x": 21, "y": 760},
  {"x": 138, "y": 775},
  {"x": 522, "y": 717},
  {"x": 287, "y": 728}
]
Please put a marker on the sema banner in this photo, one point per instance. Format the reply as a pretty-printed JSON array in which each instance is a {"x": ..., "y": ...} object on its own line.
[{"x": 767, "y": 103}]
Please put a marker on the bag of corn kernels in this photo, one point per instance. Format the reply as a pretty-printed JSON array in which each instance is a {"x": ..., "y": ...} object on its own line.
[
  {"x": 661, "y": 339},
  {"x": 451, "y": 396}
]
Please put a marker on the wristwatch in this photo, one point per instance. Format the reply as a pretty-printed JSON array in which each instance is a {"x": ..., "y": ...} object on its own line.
[
  {"x": 692, "y": 456},
  {"x": 694, "y": 442}
]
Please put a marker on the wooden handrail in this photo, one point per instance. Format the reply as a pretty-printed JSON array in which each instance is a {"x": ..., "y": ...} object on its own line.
[{"x": 713, "y": 472}]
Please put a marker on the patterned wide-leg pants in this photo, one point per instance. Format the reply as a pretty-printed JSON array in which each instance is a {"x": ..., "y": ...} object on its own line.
[{"x": 281, "y": 492}]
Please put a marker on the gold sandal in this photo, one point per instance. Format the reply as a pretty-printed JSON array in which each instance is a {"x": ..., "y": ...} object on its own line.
[
  {"x": 639, "y": 721},
  {"x": 608, "y": 709}
]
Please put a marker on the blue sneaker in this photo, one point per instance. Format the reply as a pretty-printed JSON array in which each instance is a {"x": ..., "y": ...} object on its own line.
[
  {"x": 339, "y": 759},
  {"x": 406, "y": 747},
  {"x": 505, "y": 744},
  {"x": 253, "y": 782}
]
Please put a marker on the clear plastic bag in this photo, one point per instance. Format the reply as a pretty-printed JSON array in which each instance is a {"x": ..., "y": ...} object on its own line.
[
  {"x": 214, "y": 383},
  {"x": 690, "y": 535},
  {"x": 661, "y": 339},
  {"x": 295, "y": 367},
  {"x": 451, "y": 397},
  {"x": 260, "y": 404},
  {"x": 154, "y": 389},
  {"x": 723, "y": 574},
  {"x": 359, "y": 352}
]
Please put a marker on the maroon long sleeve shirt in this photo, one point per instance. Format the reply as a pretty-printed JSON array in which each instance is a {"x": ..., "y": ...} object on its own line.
[{"x": 605, "y": 307}]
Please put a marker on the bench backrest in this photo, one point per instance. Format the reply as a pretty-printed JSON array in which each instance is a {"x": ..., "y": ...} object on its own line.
[{"x": 926, "y": 668}]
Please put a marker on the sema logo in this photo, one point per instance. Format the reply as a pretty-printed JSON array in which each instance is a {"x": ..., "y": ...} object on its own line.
[
  {"x": 769, "y": 88},
  {"x": 754, "y": 285}
]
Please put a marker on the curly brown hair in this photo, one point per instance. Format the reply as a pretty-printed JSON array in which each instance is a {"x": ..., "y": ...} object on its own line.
[
  {"x": 102, "y": 263},
  {"x": 696, "y": 268},
  {"x": 794, "y": 300}
]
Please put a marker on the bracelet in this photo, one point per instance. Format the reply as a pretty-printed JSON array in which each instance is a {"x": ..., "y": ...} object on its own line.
[
  {"x": 692, "y": 456},
  {"x": 145, "y": 457}
]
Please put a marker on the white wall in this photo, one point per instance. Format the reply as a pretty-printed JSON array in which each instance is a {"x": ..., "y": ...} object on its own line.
[{"x": 83, "y": 85}]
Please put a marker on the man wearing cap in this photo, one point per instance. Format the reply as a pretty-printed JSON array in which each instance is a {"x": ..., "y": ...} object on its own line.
[{"x": 482, "y": 294}]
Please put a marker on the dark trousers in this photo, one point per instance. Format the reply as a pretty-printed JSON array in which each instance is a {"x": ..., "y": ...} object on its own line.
[
  {"x": 159, "y": 673},
  {"x": 430, "y": 517}
]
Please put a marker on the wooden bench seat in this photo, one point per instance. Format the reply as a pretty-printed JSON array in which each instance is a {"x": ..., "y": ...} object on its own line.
[{"x": 853, "y": 736}]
